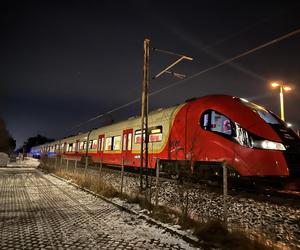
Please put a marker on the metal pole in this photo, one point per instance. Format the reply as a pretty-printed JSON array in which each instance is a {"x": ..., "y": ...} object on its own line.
[
  {"x": 67, "y": 165},
  {"x": 144, "y": 114},
  {"x": 60, "y": 166},
  {"x": 122, "y": 175},
  {"x": 172, "y": 65},
  {"x": 55, "y": 162},
  {"x": 225, "y": 192},
  {"x": 75, "y": 166},
  {"x": 281, "y": 103},
  {"x": 86, "y": 151},
  {"x": 157, "y": 181},
  {"x": 100, "y": 167}
]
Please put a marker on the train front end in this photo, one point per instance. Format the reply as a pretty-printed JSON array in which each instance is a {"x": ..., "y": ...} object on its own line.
[
  {"x": 250, "y": 138},
  {"x": 279, "y": 155}
]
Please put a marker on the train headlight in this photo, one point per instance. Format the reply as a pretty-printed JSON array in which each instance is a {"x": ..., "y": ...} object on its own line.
[
  {"x": 246, "y": 139},
  {"x": 265, "y": 144},
  {"x": 242, "y": 136}
]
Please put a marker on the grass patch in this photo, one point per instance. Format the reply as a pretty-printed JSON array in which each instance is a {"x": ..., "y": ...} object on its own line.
[
  {"x": 93, "y": 183},
  {"x": 132, "y": 198},
  {"x": 165, "y": 215},
  {"x": 215, "y": 234}
]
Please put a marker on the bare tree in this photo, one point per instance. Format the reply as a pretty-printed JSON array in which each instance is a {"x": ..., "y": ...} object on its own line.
[{"x": 7, "y": 143}]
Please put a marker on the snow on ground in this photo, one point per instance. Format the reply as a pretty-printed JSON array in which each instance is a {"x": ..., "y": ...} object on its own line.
[
  {"x": 27, "y": 162},
  {"x": 43, "y": 212},
  {"x": 279, "y": 223},
  {"x": 129, "y": 227}
]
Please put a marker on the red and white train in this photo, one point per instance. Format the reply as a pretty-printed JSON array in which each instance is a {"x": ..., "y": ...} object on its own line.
[{"x": 216, "y": 128}]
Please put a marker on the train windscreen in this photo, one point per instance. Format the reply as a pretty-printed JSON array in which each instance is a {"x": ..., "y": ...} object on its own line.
[{"x": 263, "y": 113}]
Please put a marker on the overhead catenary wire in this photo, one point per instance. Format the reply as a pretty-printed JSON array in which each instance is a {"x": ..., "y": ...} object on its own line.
[{"x": 229, "y": 60}]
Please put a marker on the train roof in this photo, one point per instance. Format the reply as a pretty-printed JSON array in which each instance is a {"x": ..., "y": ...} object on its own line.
[
  {"x": 219, "y": 101},
  {"x": 133, "y": 121}
]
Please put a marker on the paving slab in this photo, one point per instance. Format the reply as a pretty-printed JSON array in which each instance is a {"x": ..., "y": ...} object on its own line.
[{"x": 39, "y": 211}]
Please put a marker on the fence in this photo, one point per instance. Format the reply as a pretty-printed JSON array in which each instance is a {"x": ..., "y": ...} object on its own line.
[
  {"x": 179, "y": 193},
  {"x": 195, "y": 200}
]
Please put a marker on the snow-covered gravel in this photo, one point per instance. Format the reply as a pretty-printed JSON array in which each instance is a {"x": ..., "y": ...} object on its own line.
[{"x": 278, "y": 223}]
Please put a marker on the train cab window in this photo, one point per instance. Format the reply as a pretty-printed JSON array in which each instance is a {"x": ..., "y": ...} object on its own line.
[
  {"x": 214, "y": 121},
  {"x": 262, "y": 112}
]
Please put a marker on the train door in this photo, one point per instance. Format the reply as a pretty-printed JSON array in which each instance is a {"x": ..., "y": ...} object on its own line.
[
  {"x": 127, "y": 146},
  {"x": 100, "y": 148}
]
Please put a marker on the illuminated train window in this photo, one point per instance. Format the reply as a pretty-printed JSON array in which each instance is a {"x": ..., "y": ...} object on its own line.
[
  {"x": 124, "y": 141},
  {"x": 214, "y": 121},
  {"x": 113, "y": 143},
  {"x": 138, "y": 136},
  {"x": 116, "y": 142},
  {"x": 94, "y": 144},
  {"x": 129, "y": 141},
  {"x": 90, "y": 144},
  {"x": 155, "y": 135},
  {"x": 100, "y": 144},
  {"x": 70, "y": 147}
]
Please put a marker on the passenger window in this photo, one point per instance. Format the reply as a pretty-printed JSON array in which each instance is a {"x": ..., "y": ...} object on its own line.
[
  {"x": 108, "y": 143},
  {"x": 113, "y": 143},
  {"x": 154, "y": 134}
]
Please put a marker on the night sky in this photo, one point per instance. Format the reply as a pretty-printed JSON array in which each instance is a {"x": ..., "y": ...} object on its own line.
[{"x": 65, "y": 62}]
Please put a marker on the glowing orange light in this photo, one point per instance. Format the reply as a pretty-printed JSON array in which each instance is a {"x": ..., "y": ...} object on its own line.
[
  {"x": 275, "y": 84},
  {"x": 287, "y": 88}
]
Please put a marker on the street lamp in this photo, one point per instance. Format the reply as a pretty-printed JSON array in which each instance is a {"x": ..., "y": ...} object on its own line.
[{"x": 282, "y": 87}]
